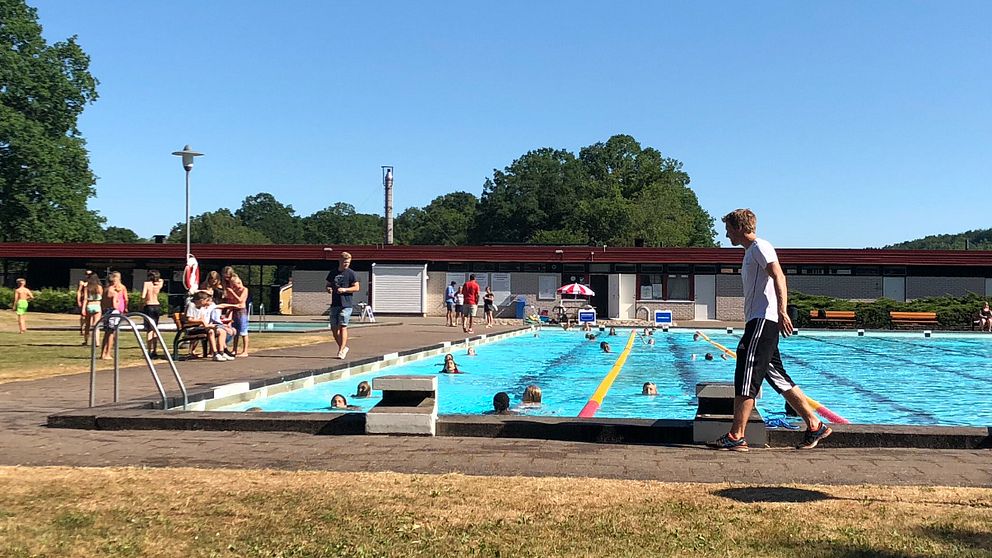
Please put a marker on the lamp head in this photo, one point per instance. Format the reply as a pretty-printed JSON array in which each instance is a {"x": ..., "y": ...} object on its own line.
[{"x": 187, "y": 154}]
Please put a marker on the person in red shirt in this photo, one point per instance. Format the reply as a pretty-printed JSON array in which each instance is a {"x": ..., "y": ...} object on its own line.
[{"x": 471, "y": 292}]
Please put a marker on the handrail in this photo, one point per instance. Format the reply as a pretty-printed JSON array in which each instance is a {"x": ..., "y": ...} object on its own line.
[
  {"x": 647, "y": 313},
  {"x": 596, "y": 400},
  {"x": 144, "y": 351}
]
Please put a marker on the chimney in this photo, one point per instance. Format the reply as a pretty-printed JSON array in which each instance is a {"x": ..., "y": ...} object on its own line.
[{"x": 387, "y": 182}]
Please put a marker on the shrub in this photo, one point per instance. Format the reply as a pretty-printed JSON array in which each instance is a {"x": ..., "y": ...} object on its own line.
[
  {"x": 63, "y": 301},
  {"x": 953, "y": 312}
]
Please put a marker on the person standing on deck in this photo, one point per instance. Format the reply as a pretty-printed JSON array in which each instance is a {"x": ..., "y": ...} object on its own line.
[
  {"x": 758, "y": 359},
  {"x": 342, "y": 284},
  {"x": 471, "y": 291}
]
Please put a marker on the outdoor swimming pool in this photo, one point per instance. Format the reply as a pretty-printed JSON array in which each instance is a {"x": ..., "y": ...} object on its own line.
[
  {"x": 288, "y": 327},
  {"x": 881, "y": 378}
]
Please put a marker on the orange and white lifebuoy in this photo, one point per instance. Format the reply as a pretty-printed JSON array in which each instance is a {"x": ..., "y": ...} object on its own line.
[{"x": 191, "y": 276}]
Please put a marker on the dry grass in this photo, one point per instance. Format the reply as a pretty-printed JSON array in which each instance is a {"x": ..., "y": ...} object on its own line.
[
  {"x": 193, "y": 513},
  {"x": 46, "y": 353}
]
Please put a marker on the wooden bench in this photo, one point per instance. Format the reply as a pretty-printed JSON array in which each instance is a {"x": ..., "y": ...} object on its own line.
[
  {"x": 186, "y": 334},
  {"x": 913, "y": 318},
  {"x": 832, "y": 316}
]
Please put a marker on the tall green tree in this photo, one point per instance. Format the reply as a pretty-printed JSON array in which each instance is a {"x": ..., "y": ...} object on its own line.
[
  {"x": 217, "y": 227},
  {"x": 535, "y": 193},
  {"x": 445, "y": 221},
  {"x": 614, "y": 192},
  {"x": 341, "y": 224},
  {"x": 278, "y": 222},
  {"x": 45, "y": 179},
  {"x": 120, "y": 235}
]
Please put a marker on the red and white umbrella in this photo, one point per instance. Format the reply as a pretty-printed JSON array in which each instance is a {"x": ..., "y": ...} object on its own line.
[{"x": 576, "y": 289}]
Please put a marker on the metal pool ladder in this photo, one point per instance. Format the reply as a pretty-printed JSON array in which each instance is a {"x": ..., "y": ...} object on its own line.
[{"x": 112, "y": 322}]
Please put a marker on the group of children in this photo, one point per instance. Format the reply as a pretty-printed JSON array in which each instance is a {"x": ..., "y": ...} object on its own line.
[
  {"x": 224, "y": 323},
  {"x": 95, "y": 301}
]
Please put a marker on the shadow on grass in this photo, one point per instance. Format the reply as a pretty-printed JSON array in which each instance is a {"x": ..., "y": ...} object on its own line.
[
  {"x": 756, "y": 494},
  {"x": 962, "y": 536}
]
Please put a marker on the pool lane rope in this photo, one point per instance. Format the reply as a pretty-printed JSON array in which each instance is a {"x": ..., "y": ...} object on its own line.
[
  {"x": 820, "y": 408},
  {"x": 596, "y": 401}
]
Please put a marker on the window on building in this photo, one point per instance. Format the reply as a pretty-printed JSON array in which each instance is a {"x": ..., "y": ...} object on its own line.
[
  {"x": 659, "y": 286},
  {"x": 535, "y": 267},
  {"x": 678, "y": 287},
  {"x": 652, "y": 287},
  {"x": 624, "y": 268}
]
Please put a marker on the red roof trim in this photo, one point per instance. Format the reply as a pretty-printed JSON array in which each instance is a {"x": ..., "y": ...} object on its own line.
[{"x": 276, "y": 253}]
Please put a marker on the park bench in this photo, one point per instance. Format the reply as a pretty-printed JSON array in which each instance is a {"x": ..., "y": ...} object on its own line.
[
  {"x": 913, "y": 318},
  {"x": 832, "y": 316},
  {"x": 188, "y": 335}
]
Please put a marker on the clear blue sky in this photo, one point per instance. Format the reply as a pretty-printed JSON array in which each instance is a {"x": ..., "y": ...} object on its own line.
[{"x": 841, "y": 124}]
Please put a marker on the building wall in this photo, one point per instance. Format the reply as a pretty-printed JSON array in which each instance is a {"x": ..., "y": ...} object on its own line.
[
  {"x": 921, "y": 287},
  {"x": 729, "y": 297},
  {"x": 851, "y": 287}
]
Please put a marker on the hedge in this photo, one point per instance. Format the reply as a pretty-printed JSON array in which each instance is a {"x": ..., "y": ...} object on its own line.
[
  {"x": 953, "y": 312},
  {"x": 63, "y": 301}
]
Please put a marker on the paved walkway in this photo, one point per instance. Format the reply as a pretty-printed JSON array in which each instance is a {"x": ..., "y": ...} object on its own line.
[{"x": 25, "y": 440}]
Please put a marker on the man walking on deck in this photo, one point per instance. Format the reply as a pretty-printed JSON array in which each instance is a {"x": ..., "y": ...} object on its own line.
[
  {"x": 765, "y": 300},
  {"x": 342, "y": 284}
]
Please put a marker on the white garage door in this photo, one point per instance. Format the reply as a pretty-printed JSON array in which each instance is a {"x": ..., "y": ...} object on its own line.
[{"x": 399, "y": 289}]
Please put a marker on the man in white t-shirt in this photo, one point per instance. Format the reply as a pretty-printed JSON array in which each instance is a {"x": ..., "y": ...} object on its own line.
[{"x": 758, "y": 359}]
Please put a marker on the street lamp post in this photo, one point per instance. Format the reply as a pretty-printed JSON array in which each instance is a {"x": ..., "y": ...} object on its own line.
[{"x": 187, "y": 154}]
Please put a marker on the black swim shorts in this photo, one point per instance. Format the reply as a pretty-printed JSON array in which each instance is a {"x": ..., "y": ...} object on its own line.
[{"x": 758, "y": 359}]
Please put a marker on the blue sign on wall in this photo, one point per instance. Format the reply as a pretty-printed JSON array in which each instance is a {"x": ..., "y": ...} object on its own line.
[
  {"x": 662, "y": 316},
  {"x": 587, "y": 316}
]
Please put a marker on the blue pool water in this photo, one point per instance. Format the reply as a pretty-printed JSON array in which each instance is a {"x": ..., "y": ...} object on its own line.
[{"x": 876, "y": 379}]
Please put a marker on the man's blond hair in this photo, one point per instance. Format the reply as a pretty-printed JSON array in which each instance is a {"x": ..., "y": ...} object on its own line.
[
  {"x": 346, "y": 256},
  {"x": 742, "y": 220}
]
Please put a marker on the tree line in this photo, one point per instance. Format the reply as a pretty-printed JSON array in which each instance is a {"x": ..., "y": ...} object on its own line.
[{"x": 614, "y": 192}]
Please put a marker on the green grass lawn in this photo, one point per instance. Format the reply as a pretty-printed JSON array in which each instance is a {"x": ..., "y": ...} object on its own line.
[
  {"x": 261, "y": 513},
  {"x": 41, "y": 353}
]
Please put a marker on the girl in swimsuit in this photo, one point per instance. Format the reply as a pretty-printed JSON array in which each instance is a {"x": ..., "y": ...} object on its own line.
[
  {"x": 91, "y": 306},
  {"x": 114, "y": 302}
]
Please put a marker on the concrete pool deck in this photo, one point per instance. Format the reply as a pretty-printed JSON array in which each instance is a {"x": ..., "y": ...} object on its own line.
[{"x": 25, "y": 440}]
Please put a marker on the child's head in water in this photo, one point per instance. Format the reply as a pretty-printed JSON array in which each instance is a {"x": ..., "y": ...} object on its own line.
[
  {"x": 709, "y": 356},
  {"x": 364, "y": 389},
  {"x": 339, "y": 402},
  {"x": 471, "y": 351},
  {"x": 449, "y": 363},
  {"x": 501, "y": 402},
  {"x": 695, "y": 336},
  {"x": 605, "y": 346},
  {"x": 613, "y": 331},
  {"x": 532, "y": 394},
  {"x": 649, "y": 389}
]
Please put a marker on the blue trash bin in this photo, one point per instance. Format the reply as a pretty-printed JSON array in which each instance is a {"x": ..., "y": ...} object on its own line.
[{"x": 521, "y": 307}]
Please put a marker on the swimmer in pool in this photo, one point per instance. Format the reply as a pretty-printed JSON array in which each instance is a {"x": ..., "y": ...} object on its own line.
[
  {"x": 613, "y": 331},
  {"x": 501, "y": 405},
  {"x": 605, "y": 346},
  {"x": 532, "y": 396},
  {"x": 708, "y": 356},
  {"x": 649, "y": 389},
  {"x": 364, "y": 390},
  {"x": 339, "y": 402},
  {"x": 449, "y": 365},
  {"x": 471, "y": 351},
  {"x": 695, "y": 336}
]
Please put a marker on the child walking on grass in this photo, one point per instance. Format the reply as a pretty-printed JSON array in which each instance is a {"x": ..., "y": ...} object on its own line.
[{"x": 21, "y": 297}]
